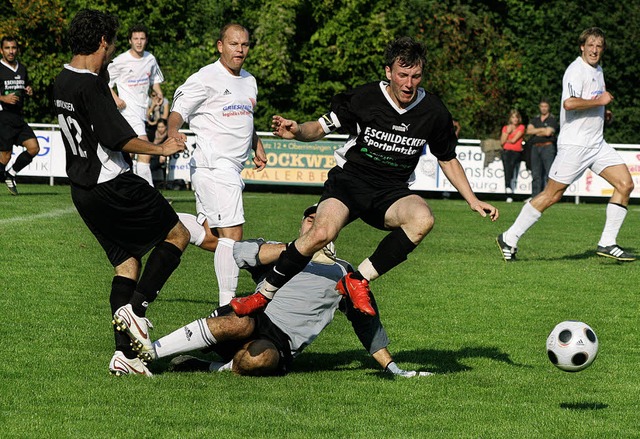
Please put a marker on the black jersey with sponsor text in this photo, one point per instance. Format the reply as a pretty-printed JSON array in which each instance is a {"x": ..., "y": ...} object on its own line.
[
  {"x": 93, "y": 130},
  {"x": 386, "y": 141},
  {"x": 13, "y": 81}
]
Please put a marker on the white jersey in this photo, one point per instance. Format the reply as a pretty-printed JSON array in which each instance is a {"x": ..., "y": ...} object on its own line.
[
  {"x": 133, "y": 77},
  {"x": 219, "y": 108},
  {"x": 582, "y": 127}
]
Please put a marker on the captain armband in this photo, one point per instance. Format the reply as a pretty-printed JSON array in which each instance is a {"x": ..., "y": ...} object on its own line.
[{"x": 328, "y": 123}]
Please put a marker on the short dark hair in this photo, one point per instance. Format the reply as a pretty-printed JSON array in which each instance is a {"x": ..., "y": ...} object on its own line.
[
  {"x": 138, "y": 28},
  {"x": 228, "y": 26},
  {"x": 407, "y": 51},
  {"x": 545, "y": 100},
  {"x": 8, "y": 38},
  {"x": 87, "y": 29},
  {"x": 592, "y": 32}
]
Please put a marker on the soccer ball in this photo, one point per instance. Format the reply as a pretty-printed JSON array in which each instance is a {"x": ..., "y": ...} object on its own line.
[{"x": 572, "y": 346}]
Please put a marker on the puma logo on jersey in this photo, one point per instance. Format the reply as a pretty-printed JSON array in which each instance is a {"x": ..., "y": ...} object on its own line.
[{"x": 403, "y": 128}]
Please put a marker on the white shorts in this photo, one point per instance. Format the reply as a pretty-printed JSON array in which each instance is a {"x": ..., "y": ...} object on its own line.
[
  {"x": 218, "y": 196},
  {"x": 136, "y": 122},
  {"x": 571, "y": 161}
]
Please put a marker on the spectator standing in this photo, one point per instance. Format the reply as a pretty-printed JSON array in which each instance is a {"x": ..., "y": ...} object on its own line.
[
  {"x": 543, "y": 128},
  {"x": 511, "y": 139},
  {"x": 158, "y": 109}
]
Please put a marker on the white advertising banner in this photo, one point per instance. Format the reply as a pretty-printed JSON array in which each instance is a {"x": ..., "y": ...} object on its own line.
[
  {"x": 484, "y": 177},
  {"x": 490, "y": 178}
]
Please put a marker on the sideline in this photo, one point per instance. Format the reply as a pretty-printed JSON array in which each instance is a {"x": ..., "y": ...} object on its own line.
[{"x": 28, "y": 218}]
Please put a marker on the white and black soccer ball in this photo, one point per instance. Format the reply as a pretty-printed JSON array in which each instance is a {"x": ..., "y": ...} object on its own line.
[{"x": 572, "y": 346}]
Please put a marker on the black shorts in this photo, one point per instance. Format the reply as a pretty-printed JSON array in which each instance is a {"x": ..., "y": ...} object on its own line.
[
  {"x": 364, "y": 199},
  {"x": 265, "y": 329},
  {"x": 13, "y": 130},
  {"x": 126, "y": 215}
]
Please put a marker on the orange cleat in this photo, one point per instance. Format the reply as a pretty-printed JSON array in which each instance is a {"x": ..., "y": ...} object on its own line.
[
  {"x": 358, "y": 291},
  {"x": 243, "y": 306}
]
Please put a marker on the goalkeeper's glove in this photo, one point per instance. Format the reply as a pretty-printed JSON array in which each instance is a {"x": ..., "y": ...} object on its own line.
[{"x": 394, "y": 369}]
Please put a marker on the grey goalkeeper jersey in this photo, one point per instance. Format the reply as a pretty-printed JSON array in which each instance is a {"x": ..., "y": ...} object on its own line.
[{"x": 306, "y": 304}]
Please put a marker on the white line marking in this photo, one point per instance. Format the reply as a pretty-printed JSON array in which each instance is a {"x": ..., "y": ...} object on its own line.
[{"x": 28, "y": 218}]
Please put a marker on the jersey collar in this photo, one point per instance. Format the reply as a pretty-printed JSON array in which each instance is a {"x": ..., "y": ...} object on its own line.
[{"x": 419, "y": 97}]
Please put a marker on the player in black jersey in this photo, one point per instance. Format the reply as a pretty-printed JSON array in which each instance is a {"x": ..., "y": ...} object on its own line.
[
  {"x": 126, "y": 215},
  {"x": 14, "y": 86},
  {"x": 389, "y": 124}
]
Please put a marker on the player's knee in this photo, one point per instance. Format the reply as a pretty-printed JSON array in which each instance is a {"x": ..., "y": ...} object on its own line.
[
  {"x": 179, "y": 236},
  {"x": 625, "y": 187},
  {"x": 319, "y": 237},
  {"x": 32, "y": 147},
  {"x": 419, "y": 227},
  {"x": 256, "y": 358}
]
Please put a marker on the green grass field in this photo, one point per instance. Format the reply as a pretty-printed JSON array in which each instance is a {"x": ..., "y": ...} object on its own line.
[{"x": 454, "y": 308}]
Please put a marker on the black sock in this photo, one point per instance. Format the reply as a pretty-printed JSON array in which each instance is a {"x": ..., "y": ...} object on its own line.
[
  {"x": 2, "y": 169},
  {"x": 21, "y": 162},
  {"x": 162, "y": 261},
  {"x": 121, "y": 291},
  {"x": 392, "y": 250},
  {"x": 290, "y": 263}
]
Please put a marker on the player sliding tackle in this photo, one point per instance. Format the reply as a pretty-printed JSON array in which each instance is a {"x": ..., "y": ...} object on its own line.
[
  {"x": 267, "y": 342},
  {"x": 389, "y": 124}
]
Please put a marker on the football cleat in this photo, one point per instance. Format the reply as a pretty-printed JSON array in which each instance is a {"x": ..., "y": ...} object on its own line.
[
  {"x": 508, "y": 252},
  {"x": 10, "y": 181},
  {"x": 137, "y": 328},
  {"x": 121, "y": 365},
  {"x": 243, "y": 306},
  {"x": 187, "y": 363},
  {"x": 615, "y": 252},
  {"x": 358, "y": 291}
]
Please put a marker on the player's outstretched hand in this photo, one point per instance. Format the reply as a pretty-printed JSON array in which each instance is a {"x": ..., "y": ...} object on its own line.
[
  {"x": 171, "y": 146},
  {"x": 284, "y": 128},
  {"x": 485, "y": 209}
]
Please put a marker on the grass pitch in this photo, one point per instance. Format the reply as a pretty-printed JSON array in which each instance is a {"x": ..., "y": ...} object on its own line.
[{"x": 454, "y": 308}]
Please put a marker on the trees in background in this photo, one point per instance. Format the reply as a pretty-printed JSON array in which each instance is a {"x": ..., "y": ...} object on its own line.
[{"x": 483, "y": 57}]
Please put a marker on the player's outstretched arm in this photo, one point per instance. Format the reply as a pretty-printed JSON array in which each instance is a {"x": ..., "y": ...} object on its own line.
[
  {"x": 167, "y": 148},
  {"x": 290, "y": 129},
  {"x": 455, "y": 173}
]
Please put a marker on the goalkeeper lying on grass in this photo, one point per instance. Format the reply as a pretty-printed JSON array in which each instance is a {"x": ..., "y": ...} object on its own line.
[{"x": 265, "y": 343}]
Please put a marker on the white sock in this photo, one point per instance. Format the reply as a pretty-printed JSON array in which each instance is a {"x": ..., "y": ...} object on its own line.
[
  {"x": 144, "y": 171},
  {"x": 615, "y": 216},
  {"x": 526, "y": 219},
  {"x": 196, "y": 230},
  {"x": 367, "y": 270},
  {"x": 196, "y": 335},
  {"x": 227, "y": 270},
  {"x": 267, "y": 290}
]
